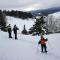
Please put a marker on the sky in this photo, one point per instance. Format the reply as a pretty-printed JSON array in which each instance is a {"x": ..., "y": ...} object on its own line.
[{"x": 28, "y": 4}]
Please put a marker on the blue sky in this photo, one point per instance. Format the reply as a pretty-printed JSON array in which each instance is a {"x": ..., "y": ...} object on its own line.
[{"x": 28, "y": 4}]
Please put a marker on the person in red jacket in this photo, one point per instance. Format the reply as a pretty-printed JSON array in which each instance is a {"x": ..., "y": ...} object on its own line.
[{"x": 43, "y": 41}]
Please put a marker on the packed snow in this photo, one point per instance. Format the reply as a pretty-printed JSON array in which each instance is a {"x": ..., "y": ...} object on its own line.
[{"x": 27, "y": 48}]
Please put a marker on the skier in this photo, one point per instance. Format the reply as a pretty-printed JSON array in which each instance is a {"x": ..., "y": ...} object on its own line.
[
  {"x": 15, "y": 31},
  {"x": 9, "y": 30},
  {"x": 43, "y": 41}
]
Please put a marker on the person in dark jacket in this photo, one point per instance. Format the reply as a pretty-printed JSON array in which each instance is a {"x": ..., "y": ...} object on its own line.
[
  {"x": 15, "y": 28},
  {"x": 9, "y": 30},
  {"x": 43, "y": 41}
]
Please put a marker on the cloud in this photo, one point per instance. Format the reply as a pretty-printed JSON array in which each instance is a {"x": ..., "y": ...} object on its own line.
[{"x": 22, "y": 4}]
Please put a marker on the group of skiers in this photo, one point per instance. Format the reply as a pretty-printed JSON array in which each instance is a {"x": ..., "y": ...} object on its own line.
[
  {"x": 42, "y": 41},
  {"x": 15, "y": 28}
]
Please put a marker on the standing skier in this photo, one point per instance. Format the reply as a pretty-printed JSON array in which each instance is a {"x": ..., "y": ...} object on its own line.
[
  {"x": 43, "y": 41},
  {"x": 15, "y": 31},
  {"x": 9, "y": 30}
]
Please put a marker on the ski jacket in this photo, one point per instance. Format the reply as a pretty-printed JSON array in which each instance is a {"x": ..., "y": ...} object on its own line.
[
  {"x": 9, "y": 29},
  {"x": 15, "y": 30},
  {"x": 42, "y": 41}
]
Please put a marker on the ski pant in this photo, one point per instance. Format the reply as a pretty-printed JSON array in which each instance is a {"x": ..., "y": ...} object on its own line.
[
  {"x": 16, "y": 36},
  {"x": 10, "y": 35},
  {"x": 43, "y": 47}
]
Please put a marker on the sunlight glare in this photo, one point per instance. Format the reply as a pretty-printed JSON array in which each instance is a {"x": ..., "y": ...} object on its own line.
[{"x": 28, "y": 9}]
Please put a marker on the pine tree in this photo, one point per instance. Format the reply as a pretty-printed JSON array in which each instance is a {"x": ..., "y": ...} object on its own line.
[
  {"x": 37, "y": 27},
  {"x": 2, "y": 20}
]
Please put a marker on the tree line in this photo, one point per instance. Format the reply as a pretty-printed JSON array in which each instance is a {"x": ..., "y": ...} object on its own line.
[{"x": 18, "y": 14}]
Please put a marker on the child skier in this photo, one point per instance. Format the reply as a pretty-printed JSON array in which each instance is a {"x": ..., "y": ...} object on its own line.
[{"x": 43, "y": 41}]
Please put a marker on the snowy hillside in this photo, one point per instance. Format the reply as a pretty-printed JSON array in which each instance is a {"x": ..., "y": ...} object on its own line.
[
  {"x": 26, "y": 47},
  {"x": 20, "y": 23}
]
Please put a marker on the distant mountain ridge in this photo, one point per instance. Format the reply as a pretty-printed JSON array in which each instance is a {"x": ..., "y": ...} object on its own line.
[{"x": 46, "y": 11}]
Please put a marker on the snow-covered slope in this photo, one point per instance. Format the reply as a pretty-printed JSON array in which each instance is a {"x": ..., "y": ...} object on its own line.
[{"x": 26, "y": 47}]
